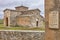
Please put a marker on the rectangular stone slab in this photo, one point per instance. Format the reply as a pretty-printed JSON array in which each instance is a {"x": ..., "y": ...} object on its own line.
[{"x": 54, "y": 19}]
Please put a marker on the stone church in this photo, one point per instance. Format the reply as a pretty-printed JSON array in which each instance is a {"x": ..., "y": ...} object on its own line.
[{"x": 22, "y": 16}]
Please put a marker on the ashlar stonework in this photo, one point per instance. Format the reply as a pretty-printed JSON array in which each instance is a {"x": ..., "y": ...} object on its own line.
[{"x": 21, "y": 16}]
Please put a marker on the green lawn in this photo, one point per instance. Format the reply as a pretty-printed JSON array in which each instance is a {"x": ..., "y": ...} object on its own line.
[
  {"x": 1, "y": 20},
  {"x": 19, "y": 28}
]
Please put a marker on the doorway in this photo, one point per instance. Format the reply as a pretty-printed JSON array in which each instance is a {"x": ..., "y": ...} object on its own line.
[
  {"x": 6, "y": 21},
  {"x": 37, "y": 23}
]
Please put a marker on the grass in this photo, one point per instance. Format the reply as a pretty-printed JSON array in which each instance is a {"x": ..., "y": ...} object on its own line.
[
  {"x": 19, "y": 28},
  {"x": 1, "y": 21}
]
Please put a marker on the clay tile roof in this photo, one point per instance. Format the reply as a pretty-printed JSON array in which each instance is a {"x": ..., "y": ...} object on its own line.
[
  {"x": 42, "y": 17},
  {"x": 34, "y": 10},
  {"x": 21, "y": 6},
  {"x": 24, "y": 13},
  {"x": 5, "y": 10},
  {"x": 9, "y": 9}
]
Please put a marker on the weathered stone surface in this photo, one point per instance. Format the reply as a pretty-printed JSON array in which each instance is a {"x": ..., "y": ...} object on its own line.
[
  {"x": 52, "y": 33},
  {"x": 54, "y": 19},
  {"x": 18, "y": 35},
  {"x": 21, "y": 16}
]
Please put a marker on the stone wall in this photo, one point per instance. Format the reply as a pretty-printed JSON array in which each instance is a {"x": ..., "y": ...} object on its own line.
[
  {"x": 24, "y": 20},
  {"x": 6, "y": 17},
  {"x": 22, "y": 35},
  {"x": 13, "y": 16},
  {"x": 21, "y": 8}
]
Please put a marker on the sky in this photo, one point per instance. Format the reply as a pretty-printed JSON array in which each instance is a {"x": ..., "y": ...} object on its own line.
[{"x": 10, "y": 4}]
